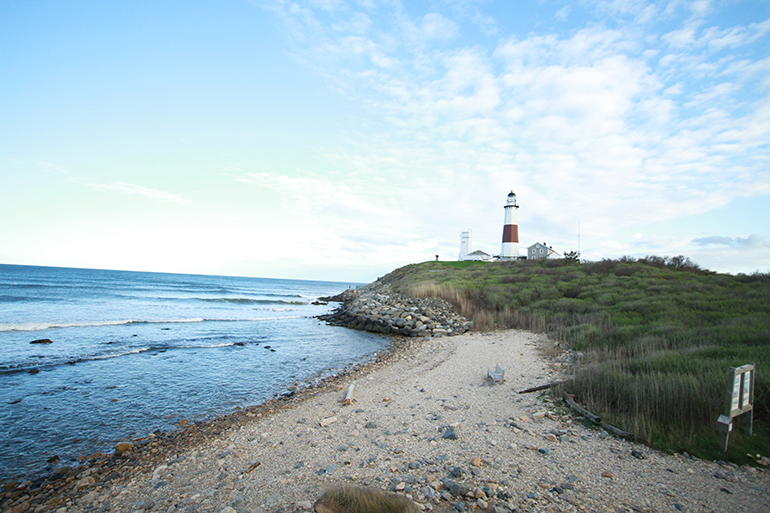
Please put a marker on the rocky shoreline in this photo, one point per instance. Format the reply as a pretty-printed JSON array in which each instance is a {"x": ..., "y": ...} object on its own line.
[
  {"x": 65, "y": 486},
  {"x": 424, "y": 422},
  {"x": 376, "y": 308}
]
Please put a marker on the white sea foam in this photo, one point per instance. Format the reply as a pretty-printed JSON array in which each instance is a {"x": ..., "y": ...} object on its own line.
[
  {"x": 39, "y": 326},
  {"x": 137, "y": 350}
]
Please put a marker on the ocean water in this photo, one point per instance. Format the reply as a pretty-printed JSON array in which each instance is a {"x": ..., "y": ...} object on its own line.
[{"x": 135, "y": 352}]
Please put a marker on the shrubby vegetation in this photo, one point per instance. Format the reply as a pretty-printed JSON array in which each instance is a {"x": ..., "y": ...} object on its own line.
[{"x": 656, "y": 336}]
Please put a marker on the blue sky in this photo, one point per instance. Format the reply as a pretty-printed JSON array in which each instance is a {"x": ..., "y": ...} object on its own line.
[{"x": 338, "y": 140}]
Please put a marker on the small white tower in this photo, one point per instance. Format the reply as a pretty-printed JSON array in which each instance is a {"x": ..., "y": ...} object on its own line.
[
  {"x": 510, "y": 250},
  {"x": 466, "y": 240}
]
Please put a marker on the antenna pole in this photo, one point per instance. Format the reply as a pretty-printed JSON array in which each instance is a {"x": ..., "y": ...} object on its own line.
[{"x": 578, "y": 239}]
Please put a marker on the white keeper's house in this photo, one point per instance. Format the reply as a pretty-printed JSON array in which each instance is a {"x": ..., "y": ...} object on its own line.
[{"x": 538, "y": 250}]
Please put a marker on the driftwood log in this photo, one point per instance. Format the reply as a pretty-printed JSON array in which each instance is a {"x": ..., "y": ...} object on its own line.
[
  {"x": 542, "y": 387},
  {"x": 570, "y": 400}
]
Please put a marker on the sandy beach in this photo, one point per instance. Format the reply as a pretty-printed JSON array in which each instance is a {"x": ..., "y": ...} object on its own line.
[{"x": 427, "y": 424}]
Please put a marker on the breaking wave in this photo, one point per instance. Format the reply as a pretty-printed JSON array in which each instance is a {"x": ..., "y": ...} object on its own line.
[{"x": 88, "y": 324}]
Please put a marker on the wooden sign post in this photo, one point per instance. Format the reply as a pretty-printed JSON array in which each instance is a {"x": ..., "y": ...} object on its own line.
[{"x": 740, "y": 400}]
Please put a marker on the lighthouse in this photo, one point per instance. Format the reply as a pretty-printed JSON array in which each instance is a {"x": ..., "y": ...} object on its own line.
[{"x": 510, "y": 249}]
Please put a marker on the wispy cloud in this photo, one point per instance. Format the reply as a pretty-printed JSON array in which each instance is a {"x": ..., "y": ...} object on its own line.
[
  {"x": 620, "y": 126},
  {"x": 144, "y": 192},
  {"x": 751, "y": 241},
  {"x": 45, "y": 166}
]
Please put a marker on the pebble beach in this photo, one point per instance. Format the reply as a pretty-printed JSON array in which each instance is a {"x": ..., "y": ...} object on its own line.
[{"x": 424, "y": 421}]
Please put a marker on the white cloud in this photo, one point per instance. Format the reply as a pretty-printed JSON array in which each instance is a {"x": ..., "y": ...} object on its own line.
[
  {"x": 432, "y": 27},
  {"x": 615, "y": 127},
  {"x": 145, "y": 192},
  {"x": 359, "y": 23},
  {"x": 751, "y": 241},
  {"x": 715, "y": 239},
  {"x": 621, "y": 117}
]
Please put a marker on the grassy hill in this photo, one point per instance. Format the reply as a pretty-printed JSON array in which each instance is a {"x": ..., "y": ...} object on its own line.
[{"x": 655, "y": 337}]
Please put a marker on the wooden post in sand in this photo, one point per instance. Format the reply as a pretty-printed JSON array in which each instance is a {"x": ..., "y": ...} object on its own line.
[{"x": 349, "y": 395}]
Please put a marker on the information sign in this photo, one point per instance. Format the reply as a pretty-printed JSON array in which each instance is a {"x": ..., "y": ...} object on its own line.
[{"x": 740, "y": 400}]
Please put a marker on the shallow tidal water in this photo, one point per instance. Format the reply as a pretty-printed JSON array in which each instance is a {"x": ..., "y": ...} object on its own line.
[{"x": 132, "y": 353}]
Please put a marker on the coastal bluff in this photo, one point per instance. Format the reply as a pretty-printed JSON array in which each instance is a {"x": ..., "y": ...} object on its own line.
[{"x": 377, "y": 309}]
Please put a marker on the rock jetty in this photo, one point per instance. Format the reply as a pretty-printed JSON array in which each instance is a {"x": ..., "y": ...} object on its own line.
[{"x": 376, "y": 308}]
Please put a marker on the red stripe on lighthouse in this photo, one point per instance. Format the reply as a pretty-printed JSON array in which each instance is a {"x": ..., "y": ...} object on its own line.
[{"x": 510, "y": 233}]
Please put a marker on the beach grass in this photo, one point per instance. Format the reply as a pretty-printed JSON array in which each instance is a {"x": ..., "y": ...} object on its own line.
[{"x": 655, "y": 337}]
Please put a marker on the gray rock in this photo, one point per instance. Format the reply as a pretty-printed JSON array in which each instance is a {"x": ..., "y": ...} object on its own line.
[
  {"x": 145, "y": 504},
  {"x": 88, "y": 498},
  {"x": 456, "y": 489},
  {"x": 428, "y": 492}
]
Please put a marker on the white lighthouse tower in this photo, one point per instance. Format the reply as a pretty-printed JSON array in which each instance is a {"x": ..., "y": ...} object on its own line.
[
  {"x": 466, "y": 239},
  {"x": 510, "y": 249}
]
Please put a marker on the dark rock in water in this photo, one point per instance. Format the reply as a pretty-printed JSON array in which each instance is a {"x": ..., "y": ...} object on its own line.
[
  {"x": 267, "y": 347},
  {"x": 42, "y": 341},
  {"x": 53, "y": 459},
  {"x": 33, "y": 371},
  {"x": 240, "y": 344},
  {"x": 165, "y": 329},
  {"x": 60, "y": 473}
]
